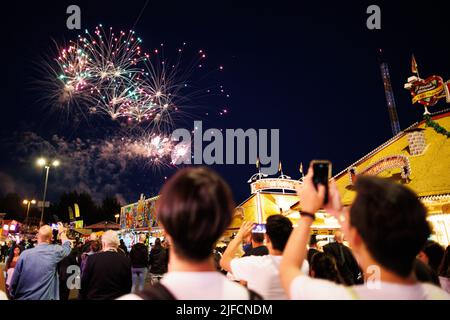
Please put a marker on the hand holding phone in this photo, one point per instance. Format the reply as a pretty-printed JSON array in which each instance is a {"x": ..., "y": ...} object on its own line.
[{"x": 322, "y": 175}]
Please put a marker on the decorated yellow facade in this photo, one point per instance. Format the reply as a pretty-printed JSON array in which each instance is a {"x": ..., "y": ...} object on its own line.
[
  {"x": 419, "y": 158},
  {"x": 277, "y": 196}
]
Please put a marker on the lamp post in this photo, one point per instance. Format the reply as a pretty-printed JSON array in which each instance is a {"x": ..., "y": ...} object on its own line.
[
  {"x": 28, "y": 203},
  {"x": 117, "y": 216},
  {"x": 43, "y": 163}
]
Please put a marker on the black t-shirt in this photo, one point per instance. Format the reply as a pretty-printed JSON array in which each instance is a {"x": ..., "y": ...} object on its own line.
[
  {"x": 107, "y": 276},
  {"x": 139, "y": 256},
  {"x": 258, "y": 251}
]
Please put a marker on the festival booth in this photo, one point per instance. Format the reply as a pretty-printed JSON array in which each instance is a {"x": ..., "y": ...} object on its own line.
[
  {"x": 138, "y": 218},
  {"x": 10, "y": 230}
]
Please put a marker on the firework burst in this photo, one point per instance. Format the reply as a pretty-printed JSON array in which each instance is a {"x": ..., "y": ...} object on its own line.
[{"x": 108, "y": 73}]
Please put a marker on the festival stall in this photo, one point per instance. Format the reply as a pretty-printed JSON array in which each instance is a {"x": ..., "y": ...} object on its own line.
[{"x": 137, "y": 218}]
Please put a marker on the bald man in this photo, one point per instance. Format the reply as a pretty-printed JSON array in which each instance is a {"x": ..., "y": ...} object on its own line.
[{"x": 35, "y": 276}]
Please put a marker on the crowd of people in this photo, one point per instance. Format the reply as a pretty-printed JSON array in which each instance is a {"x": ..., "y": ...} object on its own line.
[
  {"x": 103, "y": 267},
  {"x": 382, "y": 252}
]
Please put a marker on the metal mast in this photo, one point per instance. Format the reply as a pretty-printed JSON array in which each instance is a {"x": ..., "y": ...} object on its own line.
[{"x": 392, "y": 109}]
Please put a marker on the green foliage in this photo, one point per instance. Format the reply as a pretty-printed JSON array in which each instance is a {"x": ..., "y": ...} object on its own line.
[{"x": 436, "y": 126}]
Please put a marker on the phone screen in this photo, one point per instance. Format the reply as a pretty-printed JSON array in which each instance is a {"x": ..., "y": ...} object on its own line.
[
  {"x": 321, "y": 175},
  {"x": 259, "y": 228}
]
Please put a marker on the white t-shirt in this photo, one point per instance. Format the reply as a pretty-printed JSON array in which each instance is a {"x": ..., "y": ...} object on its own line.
[
  {"x": 307, "y": 288},
  {"x": 262, "y": 274},
  {"x": 199, "y": 286}
]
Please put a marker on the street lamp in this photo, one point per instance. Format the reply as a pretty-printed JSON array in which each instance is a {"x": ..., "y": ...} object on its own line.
[
  {"x": 28, "y": 203},
  {"x": 42, "y": 162},
  {"x": 117, "y": 216}
]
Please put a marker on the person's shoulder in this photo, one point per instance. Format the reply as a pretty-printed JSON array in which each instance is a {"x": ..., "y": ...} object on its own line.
[
  {"x": 304, "y": 287},
  {"x": 233, "y": 290},
  {"x": 130, "y": 296},
  {"x": 433, "y": 292},
  {"x": 26, "y": 253}
]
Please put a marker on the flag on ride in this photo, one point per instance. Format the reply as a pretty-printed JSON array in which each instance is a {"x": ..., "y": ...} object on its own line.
[{"x": 414, "y": 65}]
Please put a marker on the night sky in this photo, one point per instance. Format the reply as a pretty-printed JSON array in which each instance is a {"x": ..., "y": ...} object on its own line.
[{"x": 309, "y": 69}]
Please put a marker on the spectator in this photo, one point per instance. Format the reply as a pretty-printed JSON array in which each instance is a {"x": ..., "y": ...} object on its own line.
[
  {"x": 345, "y": 261},
  {"x": 64, "y": 273},
  {"x": 444, "y": 271},
  {"x": 323, "y": 266},
  {"x": 107, "y": 274},
  {"x": 386, "y": 227},
  {"x": 258, "y": 248},
  {"x": 195, "y": 208},
  {"x": 261, "y": 273},
  {"x": 35, "y": 276},
  {"x": 158, "y": 261},
  {"x": 432, "y": 254},
  {"x": 247, "y": 244},
  {"x": 11, "y": 263},
  {"x": 424, "y": 273},
  {"x": 87, "y": 244},
  {"x": 139, "y": 263},
  {"x": 123, "y": 247},
  {"x": 95, "y": 247},
  {"x": 3, "y": 252},
  {"x": 312, "y": 248}
]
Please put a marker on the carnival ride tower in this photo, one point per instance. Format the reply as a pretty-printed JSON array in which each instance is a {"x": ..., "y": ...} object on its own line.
[{"x": 392, "y": 109}]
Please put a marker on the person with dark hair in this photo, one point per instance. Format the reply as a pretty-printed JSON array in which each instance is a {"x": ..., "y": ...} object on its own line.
[
  {"x": 312, "y": 248},
  {"x": 11, "y": 263},
  {"x": 261, "y": 273},
  {"x": 432, "y": 254},
  {"x": 424, "y": 273},
  {"x": 386, "y": 227},
  {"x": 323, "y": 266},
  {"x": 65, "y": 271},
  {"x": 158, "y": 261},
  {"x": 195, "y": 208},
  {"x": 94, "y": 247},
  {"x": 123, "y": 247},
  {"x": 345, "y": 261},
  {"x": 444, "y": 271},
  {"x": 139, "y": 263},
  {"x": 257, "y": 245}
]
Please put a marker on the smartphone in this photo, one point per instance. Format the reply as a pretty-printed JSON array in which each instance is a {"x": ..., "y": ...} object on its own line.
[
  {"x": 322, "y": 175},
  {"x": 259, "y": 228}
]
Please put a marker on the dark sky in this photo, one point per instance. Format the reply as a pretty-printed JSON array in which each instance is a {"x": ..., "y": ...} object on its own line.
[{"x": 308, "y": 68}]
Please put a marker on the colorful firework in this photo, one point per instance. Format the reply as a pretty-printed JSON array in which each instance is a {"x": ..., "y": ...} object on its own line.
[{"x": 108, "y": 73}]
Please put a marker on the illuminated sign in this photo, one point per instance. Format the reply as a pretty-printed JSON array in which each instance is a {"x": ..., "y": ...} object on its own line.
[
  {"x": 427, "y": 92},
  {"x": 274, "y": 183},
  {"x": 387, "y": 163},
  {"x": 447, "y": 91}
]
